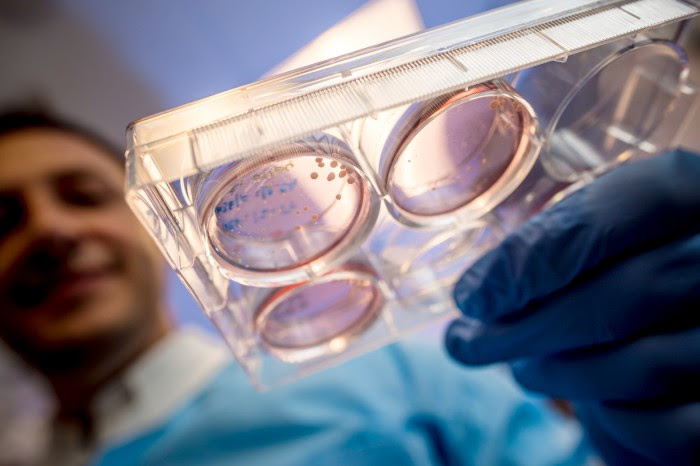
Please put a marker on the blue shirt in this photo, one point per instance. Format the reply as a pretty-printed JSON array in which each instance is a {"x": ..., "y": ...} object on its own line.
[{"x": 403, "y": 404}]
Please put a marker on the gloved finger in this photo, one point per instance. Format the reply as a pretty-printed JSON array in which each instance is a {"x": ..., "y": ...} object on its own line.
[
  {"x": 643, "y": 291},
  {"x": 666, "y": 434},
  {"x": 605, "y": 444},
  {"x": 636, "y": 204},
  {"x": 653, "y": 367}
]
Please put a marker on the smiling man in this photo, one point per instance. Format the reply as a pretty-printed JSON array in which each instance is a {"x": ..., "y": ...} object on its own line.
[
  {"x": 80, "y": 282},
  {"x": 77, "y": 277}
]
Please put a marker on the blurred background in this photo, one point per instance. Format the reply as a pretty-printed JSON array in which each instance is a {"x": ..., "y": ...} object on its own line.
[{"x": 105, "y": 63}]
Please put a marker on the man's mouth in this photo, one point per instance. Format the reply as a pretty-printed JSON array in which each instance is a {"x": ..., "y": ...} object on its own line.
[
  {"x": 67, "y": 280},
  {"x": 74, "y": 286}
]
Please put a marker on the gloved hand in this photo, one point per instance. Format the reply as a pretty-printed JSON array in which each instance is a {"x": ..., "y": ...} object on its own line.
[{"x": 597, "y": 300}]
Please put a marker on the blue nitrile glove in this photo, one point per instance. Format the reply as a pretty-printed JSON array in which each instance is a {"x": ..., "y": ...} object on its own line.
[{"x": 597, "y": 300}]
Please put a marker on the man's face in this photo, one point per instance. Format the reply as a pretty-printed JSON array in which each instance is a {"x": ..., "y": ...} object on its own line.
[{"x": 76, "y": 270}]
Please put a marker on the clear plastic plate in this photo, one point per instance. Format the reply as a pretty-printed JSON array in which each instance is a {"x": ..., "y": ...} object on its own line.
[{"x": 327, "y": 211}]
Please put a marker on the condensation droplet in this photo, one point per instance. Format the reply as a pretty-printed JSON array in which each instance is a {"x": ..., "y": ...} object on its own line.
[
  {"x": 337, "y": 196},
  {"x": 314, "y": 175},
  {"x": 297, "y": 212},
  {"x": 298, "y": 227},
  {"x": 351, "y": 180},
  {"x": 306, "y": 208},
  {"x": 319, "y": 159},
  {"x": 331, "y": 176},
  {"x": 342, "y": 174},
  {"x": 321, "y": 165},
  {"x": 314, "y": 217},
  {"x": 334, "y": 164}
]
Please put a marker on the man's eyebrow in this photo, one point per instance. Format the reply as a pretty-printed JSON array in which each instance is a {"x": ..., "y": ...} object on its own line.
[
  {"x": 80, "y": 175},
  {"x": 63, "y": 176},
  {"x": 76, "y": 173}
]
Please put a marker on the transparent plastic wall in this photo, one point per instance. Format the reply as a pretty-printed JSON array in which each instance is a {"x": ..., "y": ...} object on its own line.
[{"x": 328, "y": 211}]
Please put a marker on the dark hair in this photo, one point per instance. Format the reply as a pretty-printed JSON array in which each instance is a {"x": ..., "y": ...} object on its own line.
[{"x": 17, "y": 120}]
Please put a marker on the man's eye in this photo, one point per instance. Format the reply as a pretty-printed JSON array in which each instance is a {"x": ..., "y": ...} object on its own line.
[
  {"x": 86, "y": 193},
  {"x": 11, "y": 214},
  {"x": 82, "y": 196}
]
